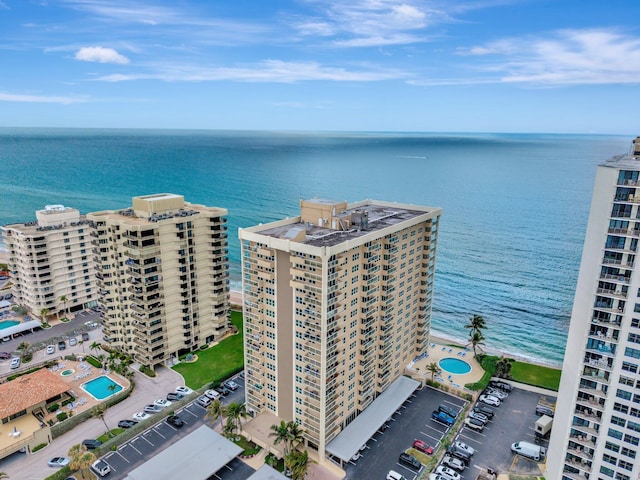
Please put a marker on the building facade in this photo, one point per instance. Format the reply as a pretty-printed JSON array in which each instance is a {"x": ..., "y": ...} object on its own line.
[
  {"x": 337, "y": 302},
  {"x": 162, "y": 274},
  {"x": 50, "y": 259},
  {"x": 596, "y": 429}
]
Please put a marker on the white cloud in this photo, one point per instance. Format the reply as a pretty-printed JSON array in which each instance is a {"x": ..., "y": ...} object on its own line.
[
  {"x": 13, "y": 97},
  {"x": 100, "y": 55}
]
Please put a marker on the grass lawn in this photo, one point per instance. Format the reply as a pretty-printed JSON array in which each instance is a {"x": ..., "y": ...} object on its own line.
[
  {"x": 537, "y": 375},
  {"x": 114, "y": 432},
  {"x": 215, "y": 363}
]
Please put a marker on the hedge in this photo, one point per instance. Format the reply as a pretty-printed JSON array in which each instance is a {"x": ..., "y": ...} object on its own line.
[{"x": 93, "y": 361}]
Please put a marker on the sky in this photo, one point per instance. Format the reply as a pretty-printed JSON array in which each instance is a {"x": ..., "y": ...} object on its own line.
[{"x": 556, "y": 66}]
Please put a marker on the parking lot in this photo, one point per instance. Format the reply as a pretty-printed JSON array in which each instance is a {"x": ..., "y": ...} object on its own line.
[
  {"x": 513, "y": 421},
  {"x": 156, "y": 438}
]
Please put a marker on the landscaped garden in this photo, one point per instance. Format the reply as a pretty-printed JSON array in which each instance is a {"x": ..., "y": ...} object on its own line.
[{"x": 218, "y": 362}]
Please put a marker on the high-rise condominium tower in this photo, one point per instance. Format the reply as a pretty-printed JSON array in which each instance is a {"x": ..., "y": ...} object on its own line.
[
  {"x": 337, "y": 302},
  {"x": 596, "y": 429},
  {"x": 162, "y": 270},
  {"x": 51, "y": 262}
]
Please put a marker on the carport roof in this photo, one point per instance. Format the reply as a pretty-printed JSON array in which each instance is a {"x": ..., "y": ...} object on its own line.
[
  {"x": 22, "y": 327},
  {"x": 196, "y": 457},
  {"x": 266, "y": 472},
  {"x": 349, "y": 441}
]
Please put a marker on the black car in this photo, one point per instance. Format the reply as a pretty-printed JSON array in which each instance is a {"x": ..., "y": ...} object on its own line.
[
  {"x": 91, "y": 444},
  {"x": 222, "y": 390},
  {"x": 410, "y": 461},
  {"x": 174, "y": 397},
  {"x": 504, "y": 386},
  {"x": 85, "y": 337},
  {"x": 62, "y": 345},
  {"x": 484, "y": 409},
  {"x": 126, "y": 423},
  {"x": 175, "y": 420},
  {"x": 448, "y": 410}
]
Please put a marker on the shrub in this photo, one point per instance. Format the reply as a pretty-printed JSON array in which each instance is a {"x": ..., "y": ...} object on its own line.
[
  {"x": 16, "y": 375},
  {"x": 67, "y": 401},
  {"x": 147, "y": 371},
  {"x": 62, "y": 416},
  {"x": 94, "y": 361},
  {"x": 61, "y": 474},
  {"x": 189, "y": 357},
  {"x": 38, "y": 447},
  {"x": 53, "y": 407},
  {"x": 204, "y": 347}
]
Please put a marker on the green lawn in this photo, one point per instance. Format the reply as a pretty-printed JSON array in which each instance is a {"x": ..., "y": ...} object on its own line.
[
  {"x": 215, "y": 363},
  {"x": 537, "y": 375}
]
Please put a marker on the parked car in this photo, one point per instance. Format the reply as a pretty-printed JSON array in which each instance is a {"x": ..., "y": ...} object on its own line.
[
  {"x": 490, "y": 400},
  {"x": 464, "y": 447},
  {"x": 57, "y": 462},
  {"x": 529, "y": 450},
  {"x": 151, "y": 409},
  {"x": 85, "y": 337},
  {"x": 184, "y": 390},
  {"x": 410, "y": 461},
  {"x": 62, "y": 345},
  {"x": 175, "y": 420},
  {"x": 174, "y": 397},
  {"x": 459, "y": 453},
  {"x": 542, "y": 409},
  {"x": 241, "y": 375},
  {"x": 73, "y": 341},
  {"x": 453, "y": 413},
  {"x": 474, "y": 423},
  {"x": 212, "y": 394},
  {"x": 51, "y": 349},
  {"x": 15, "y": 362},
  {"x": 435, "y": 476},
  {"x": 453, "y": 462},
  {"x": 91, "y": 444},
  {"x": 101, "y": 467},
  {"x": 5, "y": 355},
  {"x": 479, "y": 416},
  {"x": 442, "y": 418},
  {"x": 162, "y": 403},
  {"x": 422, "y": 447},
  {"x": 203, "y": 401},
  {"x": 126, "y": 423},
  {"x": 222, "y": 390},
  {"x": 393, "y": 475},
  {"x": 507, "y": 387},
  {"x": 484, "y": 409},
  {"x": 496, "y": 393},
  {"x": 231, "y": 385},
  {"x": 447, "y": 473},
  {"x": 139, "y": 416}
]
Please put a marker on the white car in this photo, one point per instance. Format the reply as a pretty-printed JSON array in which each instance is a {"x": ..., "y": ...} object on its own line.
[
  {"x": 490, "y": 400},
  {"x": 435, "y": 476},
  {"x": 447, "y": 473},
  {"x": 393, "y": 475},
  {"x": 162, "y": 403},
  {"x": 203, "y": 401},
  {"x": 453, "y": 462},
  {"x": 479, "y": 416},
  {"x": 57, "y": 462},
  {"x": 463, "y": 446},
  {"x": 73, "y": 341},
  {"x": 51, "y": 349},
  {"x": 496, "y": 393},
  {"x": 184, "y": 390},
  {"x": 139, "y": 416},
  {"x": 101, "y": 467},
  {"x": 231, "y": 385},
  {"x": 212, "y": 394}
]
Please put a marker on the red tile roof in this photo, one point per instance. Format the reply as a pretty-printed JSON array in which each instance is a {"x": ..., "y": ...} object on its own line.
[{"x": 29, "y": 390}]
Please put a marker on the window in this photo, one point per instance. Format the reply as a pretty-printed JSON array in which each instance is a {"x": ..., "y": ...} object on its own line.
[
  {"x": 615, "y": 434},
  {"x": 631, "y": 352},
  {"x": 630, "y": 367},
  {"x": 628, "y": 452},
  {"x": 623, "y": 394}
]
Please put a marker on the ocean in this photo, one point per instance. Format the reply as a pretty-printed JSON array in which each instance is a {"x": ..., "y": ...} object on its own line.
[{"x": 515, "y": 206}]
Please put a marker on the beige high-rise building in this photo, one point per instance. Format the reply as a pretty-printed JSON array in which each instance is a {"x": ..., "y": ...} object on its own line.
[
  {"x": 51, "y": 259},
  {"x": 596, "y": 427},
  {"x": 337, "y": 302},
  {"x": 162, "y": 270}
]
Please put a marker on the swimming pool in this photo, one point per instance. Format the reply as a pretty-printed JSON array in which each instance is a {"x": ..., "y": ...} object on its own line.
[
  {"x": 455, "y": 366},
  {"x": 8, "y": 323},
  {"x": 99, "y": 388}
]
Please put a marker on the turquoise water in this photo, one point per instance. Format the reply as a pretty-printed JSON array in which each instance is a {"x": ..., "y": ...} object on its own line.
[
  {"x": 7, "y": 324},
  {"x": 99, "y": 387},
  {"x": 515, "y": 206},
  {"x": 454, "y": 365}
]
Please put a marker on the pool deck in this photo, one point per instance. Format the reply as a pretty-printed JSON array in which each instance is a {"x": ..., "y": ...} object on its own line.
[
  {"x": 83, "y": 373},
  {"x": 437, "y": 352}
]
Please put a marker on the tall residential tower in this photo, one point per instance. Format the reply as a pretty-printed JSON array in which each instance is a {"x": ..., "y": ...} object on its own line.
[
  {"x": 596, "y": 429},
  {"x": 162, "y": 269},
  {"x": 50, "y": 259},
  {"x": 337, "y": 302}
]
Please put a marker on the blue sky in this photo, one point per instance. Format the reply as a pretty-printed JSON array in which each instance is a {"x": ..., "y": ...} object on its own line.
[{"x": 559, "y": 66}]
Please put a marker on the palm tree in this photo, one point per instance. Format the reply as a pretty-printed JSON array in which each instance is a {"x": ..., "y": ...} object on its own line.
[
  {"x": 23, "y": 347},
  {"x": 215, "y": 411},
  {"x": 81, "y": 460},
  {"x": 63, "y": 299},
  {"x": 503, "y": 368},
  {"x": 296, "y": 434},
  {"x": 476, "y": 324},
  {"x": 94, "y": 346},
  {"x": 476, "y": 340},
  {"x": 43, "y": 313},
  {"x": 281, "y": 434},
  {"x": 298, "y": 463},
  {"x": 433, "y": 368},
  {"x": 236, "y": 411},
  {"x": 98, "y": 411}
]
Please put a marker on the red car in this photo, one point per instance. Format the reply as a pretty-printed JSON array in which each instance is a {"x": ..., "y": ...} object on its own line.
[
  {"x": 5, "y": 356},
  {"x": 423, "y": 447}
]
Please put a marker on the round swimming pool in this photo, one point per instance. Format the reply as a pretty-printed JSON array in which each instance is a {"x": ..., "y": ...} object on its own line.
[
  {"x": 67, "y": 372},
  {"x": 455, "y": 366}
]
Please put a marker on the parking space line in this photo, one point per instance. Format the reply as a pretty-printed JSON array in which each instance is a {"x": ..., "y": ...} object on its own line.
[
  {"x": 122, "y": 457},
  {"x": 130, "y": 444},
  {"x": 189, "y": 411},
  {"x": 146, "y": 439},
  {"x": 163, "y": 435},
  {"x": 406, "y": 468}
]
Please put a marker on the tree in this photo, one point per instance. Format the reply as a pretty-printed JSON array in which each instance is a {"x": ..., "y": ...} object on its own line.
[
  {"x": 503, "y": 368},
  {"x": 298, "y": 463},
  {"x": 235, "y": 412},
  {"x": 95, "y": 346},
  {"x": 81, "y": 459},
  {"x": 23, "y": 347},
  {"x": 43, "y": 313},
  {"x": 20, "y": 310},
  {"x": 476, "y": 324},
  {"x": 433, "y": 368},
  {"x": 296, "y": 434},
  {"x": 63, "y": 299},
  {"x": 281, "y": 433},
  {"x": 215, "y": 411},
  {"x": 476, "y": 340},
  {"x": 98, "y": 411}
]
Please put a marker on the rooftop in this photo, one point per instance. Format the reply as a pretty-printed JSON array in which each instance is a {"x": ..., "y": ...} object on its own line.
[
  {"x": 29, "y": 390},
  {"x": 626, "y": 160}
]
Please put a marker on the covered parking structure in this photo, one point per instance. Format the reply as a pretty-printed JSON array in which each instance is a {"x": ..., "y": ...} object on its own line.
[
  {"x": 266, "y": 472},
  {"x": 349, "y": 441},
  {"x": 22, "y": 327},
  {"x": 197, "y": 456}
]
